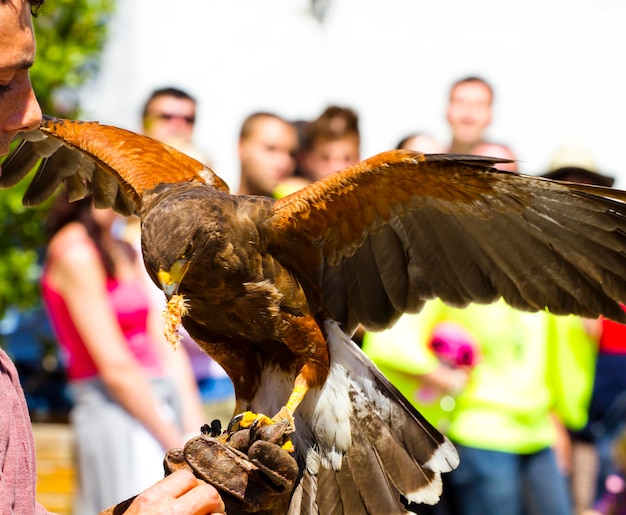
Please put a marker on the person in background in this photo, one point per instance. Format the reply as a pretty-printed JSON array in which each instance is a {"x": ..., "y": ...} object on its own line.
[
  {"x": 134, "y": 398},
  {"x": 504, "y": 409},
  {"x": 469, "y": 113},
  {"x": 592, "y": 446},
  {"x": 421, "y": 142},
  {"x": 267, "y": 153},
  {"x": 607, "y": 410},
  {"x": 332, "y": 142},
  {"x": 180, "y": 492},
  {"x": 169, "y": 115},
  {"x": 509, "y": 424},
  {"x": 576, "y": 163},
  {"x": 430, "y": 370},
  {"x": 327, "y": 145},
  {"x": 497, "y": 150}
]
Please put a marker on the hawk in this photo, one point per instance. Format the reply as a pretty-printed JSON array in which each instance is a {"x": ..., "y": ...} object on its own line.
[{"x": 275, "y": 288}]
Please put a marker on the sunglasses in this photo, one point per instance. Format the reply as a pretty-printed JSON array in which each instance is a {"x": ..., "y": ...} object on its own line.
[{"x": 169, "y": 116}]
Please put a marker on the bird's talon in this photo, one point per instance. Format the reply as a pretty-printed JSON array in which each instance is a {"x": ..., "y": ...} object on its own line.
[
  {"x": 234, "y": 422},
  {"x": 254, "y": 426},
  {"x": 284, "y": 416},
  {"x": 249, "y": 419}
]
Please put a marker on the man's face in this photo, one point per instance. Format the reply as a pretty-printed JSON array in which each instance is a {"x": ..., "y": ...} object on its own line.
[
  {"x": 171, "y": 120},
  {"x": 267, "y": 155},
  {"x": 469, "y": 112},
  {"x": 19, "y": 110},
  {"x": 330, "y": 156}
]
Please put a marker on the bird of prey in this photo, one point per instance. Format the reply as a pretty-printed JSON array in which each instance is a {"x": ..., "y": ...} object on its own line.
[{"x": 275, "y": 288}]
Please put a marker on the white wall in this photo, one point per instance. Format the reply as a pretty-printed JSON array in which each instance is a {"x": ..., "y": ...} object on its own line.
[{"x": 557, "y": 67}]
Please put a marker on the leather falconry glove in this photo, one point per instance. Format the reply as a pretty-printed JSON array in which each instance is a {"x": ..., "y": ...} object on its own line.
[{"x": 251, "y": 468}]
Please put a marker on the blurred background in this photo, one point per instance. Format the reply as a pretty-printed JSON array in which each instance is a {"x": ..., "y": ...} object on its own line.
[{"x": 555, "y": 66}]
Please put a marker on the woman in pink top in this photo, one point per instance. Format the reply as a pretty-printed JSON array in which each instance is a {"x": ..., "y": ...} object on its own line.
[{"x": 127, "y": 382}]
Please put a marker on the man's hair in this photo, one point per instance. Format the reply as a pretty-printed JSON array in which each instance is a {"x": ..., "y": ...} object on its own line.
[
  {"x": 403, "y": 142},
  {"x": 164, "y": 92},
  {"x": 472, "y": 78},
  {"x": 247, "y": 127},
  {"x": 335, "y": 123}
]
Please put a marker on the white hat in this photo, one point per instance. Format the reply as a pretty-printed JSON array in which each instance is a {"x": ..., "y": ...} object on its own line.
[{"x": 575, "y": 163}]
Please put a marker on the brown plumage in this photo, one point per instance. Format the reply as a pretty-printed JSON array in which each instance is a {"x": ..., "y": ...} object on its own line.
[{"x": 275, "y": 287}]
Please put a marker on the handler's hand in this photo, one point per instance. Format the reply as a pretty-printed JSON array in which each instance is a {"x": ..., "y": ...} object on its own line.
[
  {"x": 251, "y": 468},
  {"x": 179, "y": 493}
]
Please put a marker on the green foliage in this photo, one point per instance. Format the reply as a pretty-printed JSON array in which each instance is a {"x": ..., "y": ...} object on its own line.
[
  {"x": 23, "y": 238},
  {"x": 70, "y": 37}
]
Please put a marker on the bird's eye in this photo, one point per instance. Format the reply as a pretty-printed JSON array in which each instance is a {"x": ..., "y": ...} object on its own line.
[{"x": 188, "y": 250}]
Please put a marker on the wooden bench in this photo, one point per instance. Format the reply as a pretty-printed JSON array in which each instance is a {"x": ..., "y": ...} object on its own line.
[{"x": 55, "y": 467}]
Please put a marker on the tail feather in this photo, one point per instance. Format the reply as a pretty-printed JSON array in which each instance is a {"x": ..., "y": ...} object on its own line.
[
  {"x": 365, "y": 447},
  {"x": 402, "y": 470},
  {"x": 412, "y": 454},
  {"x": 303, "y": 500},
  {"x": 343, "y": 485},
  {"x": 370, "y": 476}
]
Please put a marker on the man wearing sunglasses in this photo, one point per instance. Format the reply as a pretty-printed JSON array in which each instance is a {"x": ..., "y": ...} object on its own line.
[{"x": 169, "y": 115}]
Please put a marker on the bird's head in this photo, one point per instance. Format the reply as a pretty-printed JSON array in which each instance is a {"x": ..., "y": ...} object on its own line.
[{"x": 181, "y": 232}]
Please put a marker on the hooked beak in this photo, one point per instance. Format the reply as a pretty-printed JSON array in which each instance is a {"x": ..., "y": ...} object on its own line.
[{"x": 170, "y": 280}]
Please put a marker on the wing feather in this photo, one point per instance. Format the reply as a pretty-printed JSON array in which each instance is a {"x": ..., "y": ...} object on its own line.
[
  {"x": 387, "y": 248},
  {"x": 105, "y": 188},
  {"x": 373, "y": 306},
  {"x": 56, "y": 168},
  {"x": 135, "y": 163},
  {"x": 394, "y": 451},
  {"x": 466, "y": 233},
  {"x": 25, "y": 156}
]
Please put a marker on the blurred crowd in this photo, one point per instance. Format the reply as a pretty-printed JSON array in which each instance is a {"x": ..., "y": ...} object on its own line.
[{"x": 535, "y": 403}]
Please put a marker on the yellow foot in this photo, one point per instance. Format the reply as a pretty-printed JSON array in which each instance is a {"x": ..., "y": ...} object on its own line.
[
  {"x": 249, "y": 418},
  {"x": 256, "y": 421}
]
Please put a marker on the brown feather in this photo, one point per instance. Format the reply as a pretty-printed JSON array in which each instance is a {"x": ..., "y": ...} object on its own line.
[
  {"x": 464, "y": 229},
  {"x": 137, "y": 162},
  {"x": 269, "y": 281},
  {"x": 25, "y": 157}
]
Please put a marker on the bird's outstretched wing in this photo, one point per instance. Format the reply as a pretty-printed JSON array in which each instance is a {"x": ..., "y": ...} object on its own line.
[
  {"x": 114, "y": 164},
  {"x": 403, "y": 227},
  {"x": 367, "y": 244}
]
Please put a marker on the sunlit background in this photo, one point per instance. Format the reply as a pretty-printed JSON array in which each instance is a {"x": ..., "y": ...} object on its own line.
[{"x": 556, "y": 66}]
